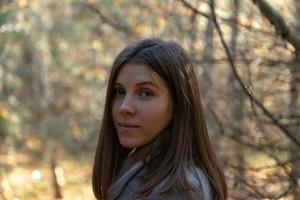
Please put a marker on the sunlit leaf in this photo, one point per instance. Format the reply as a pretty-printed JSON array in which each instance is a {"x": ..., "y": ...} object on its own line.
[
  {"x": 23, "y": 3},
  {"x": 138, "y": 29},
  {"x": 97, "y": 46},
  {"x": 33, "y": 143}
]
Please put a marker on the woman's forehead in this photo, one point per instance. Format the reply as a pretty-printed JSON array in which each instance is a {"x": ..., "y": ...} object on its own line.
[{"x": 137, "y": 73}]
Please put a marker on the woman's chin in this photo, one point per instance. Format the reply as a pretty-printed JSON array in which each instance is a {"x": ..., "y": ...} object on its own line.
[{"x": 128, "y": 144}]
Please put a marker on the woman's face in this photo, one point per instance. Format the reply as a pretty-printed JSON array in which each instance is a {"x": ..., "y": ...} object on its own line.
[{"x": 142, "y": 105}]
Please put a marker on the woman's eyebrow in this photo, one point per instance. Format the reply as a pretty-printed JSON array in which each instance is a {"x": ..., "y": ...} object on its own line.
[
  {"x": 147, "y": 83},
  {"x": 140, "y": 83},
  {"x": 118, "y": 84}
]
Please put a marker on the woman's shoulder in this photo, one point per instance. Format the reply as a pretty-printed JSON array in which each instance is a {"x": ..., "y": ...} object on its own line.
[
  {"x": 195, "y": 177},
  {"x": 198, "y": 183}
]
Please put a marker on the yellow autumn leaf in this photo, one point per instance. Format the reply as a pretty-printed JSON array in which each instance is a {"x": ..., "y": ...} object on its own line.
[
  {"x": 97, "y": 46},
  {"x": 138, "y": 29},
  {"x": 160, "y": 23},
  {"x": 22, "y": 3},
  {"x": 4, "y": 114},
  {"x": 33, "y": 143}
]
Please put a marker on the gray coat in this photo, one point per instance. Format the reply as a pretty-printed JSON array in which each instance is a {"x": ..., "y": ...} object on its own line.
[{"x": 127, "y": 183}]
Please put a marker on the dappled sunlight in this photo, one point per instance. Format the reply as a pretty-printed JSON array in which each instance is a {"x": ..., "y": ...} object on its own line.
[
  {"x": 55, "y": 58},
  {"x": 35, "y": 182}
]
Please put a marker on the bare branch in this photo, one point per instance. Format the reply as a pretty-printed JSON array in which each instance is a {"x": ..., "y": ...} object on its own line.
[
  {"x": 246, "y": 91},
  {"x": 106, "y": 20},
  {"x": 225, "y": 20},
  {"x": 277, "y": 20}
]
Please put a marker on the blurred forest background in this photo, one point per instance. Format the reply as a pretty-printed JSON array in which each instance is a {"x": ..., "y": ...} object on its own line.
[{"x": 55, "y": 57}]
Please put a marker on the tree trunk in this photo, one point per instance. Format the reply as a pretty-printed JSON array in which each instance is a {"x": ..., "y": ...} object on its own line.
[
  {"x": 206, "y": 82},
  {"x": 56, "y": 187},
  {"x": 237, "y": 103},
  {"x": 294, "y": 106}
]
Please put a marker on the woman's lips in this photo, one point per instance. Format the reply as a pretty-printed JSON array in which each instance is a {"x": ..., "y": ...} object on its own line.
[{"x": 127, "y": 127}]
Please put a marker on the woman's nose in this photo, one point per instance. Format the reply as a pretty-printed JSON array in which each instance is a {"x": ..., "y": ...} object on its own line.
[{"x": 127, "y": 105}]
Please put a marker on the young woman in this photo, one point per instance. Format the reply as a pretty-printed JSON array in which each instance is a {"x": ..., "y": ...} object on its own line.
[{"x": 153, "y": 140}]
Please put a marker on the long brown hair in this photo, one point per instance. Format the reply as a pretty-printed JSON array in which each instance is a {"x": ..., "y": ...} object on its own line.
[{"x": 187, "y": 139}]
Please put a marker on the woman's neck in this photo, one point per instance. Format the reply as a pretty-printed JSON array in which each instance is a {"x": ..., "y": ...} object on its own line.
[{"x": 141, "y": 153}]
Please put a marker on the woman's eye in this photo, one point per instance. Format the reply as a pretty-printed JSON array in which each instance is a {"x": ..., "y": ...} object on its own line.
[
  {"x": 146, "y": 93},
  {"x": 119, "y": 92}
]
